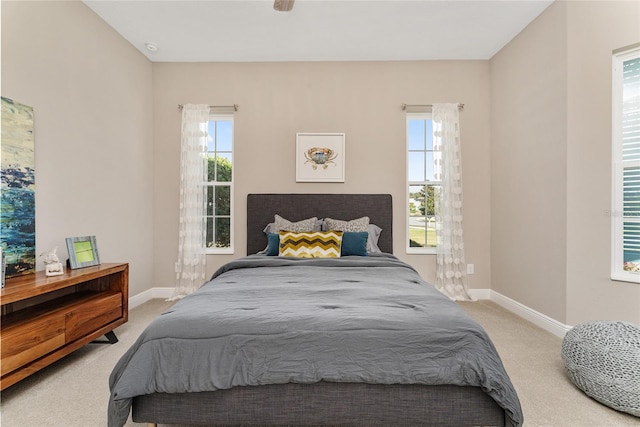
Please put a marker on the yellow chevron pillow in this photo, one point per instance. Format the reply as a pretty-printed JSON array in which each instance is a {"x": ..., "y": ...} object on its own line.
[{"x": 313, "y": 244}]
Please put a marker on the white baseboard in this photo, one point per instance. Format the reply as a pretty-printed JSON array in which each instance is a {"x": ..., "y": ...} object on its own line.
[
  {"x": 148, "y": 295},
  {"x": 477, "y": 294},
  {"x": 541, "y": 320}
]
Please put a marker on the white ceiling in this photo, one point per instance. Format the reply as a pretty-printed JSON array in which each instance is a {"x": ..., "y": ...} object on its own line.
[{"x": 318, "y": 30}]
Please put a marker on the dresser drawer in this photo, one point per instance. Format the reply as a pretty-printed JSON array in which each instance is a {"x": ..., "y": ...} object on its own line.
[
  {"x": 93, "y": 314},
  {"x": 24, "y": 344},
  {"x": 44, "y": 318}
]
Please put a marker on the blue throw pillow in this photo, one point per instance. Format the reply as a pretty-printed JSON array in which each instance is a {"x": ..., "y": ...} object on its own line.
[
  {"x": 273, "y": 244},
  {"x": 354, "y": 243}
]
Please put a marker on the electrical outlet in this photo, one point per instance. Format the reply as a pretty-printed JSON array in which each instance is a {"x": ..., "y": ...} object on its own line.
[{"x": 470, "y": 269}]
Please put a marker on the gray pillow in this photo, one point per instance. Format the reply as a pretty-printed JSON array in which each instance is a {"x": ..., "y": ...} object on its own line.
[
  {"x": 374, "y": 234},
  {"x": 356, "y": 225},
  {"x": 280, "y": 223}
]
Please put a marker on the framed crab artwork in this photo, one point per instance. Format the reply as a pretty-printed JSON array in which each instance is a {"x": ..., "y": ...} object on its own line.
[{"x": 320, "y": 157}]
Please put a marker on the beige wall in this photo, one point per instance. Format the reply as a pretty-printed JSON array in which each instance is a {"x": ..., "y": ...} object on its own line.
[
  {"x": 551, "y": 163},
  {"x": 594, "y": 30},
  {"x": 101, "y": 171},
  {"x": 361, "y": 99},
  {"x": 92, "y": 100},
  {"x": 528, "y": 166}
]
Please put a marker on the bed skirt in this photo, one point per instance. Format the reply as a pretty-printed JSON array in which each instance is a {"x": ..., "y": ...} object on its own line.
[{"x": 324, "y": 404}]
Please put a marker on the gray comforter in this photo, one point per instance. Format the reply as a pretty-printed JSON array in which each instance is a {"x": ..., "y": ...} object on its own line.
[{"x": 274, "y": 320}]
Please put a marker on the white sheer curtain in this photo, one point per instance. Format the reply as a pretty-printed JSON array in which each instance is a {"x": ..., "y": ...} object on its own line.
[
  {"x": 192, "y": 230},
  {"x": 451, "y": 270}
]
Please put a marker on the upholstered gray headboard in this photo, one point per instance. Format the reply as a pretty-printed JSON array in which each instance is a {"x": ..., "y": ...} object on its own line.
[{"x": 261, "y": 209}]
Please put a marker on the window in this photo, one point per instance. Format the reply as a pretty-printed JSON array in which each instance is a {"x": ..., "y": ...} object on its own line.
[
  {"x": 219, "y": 185},
  {"x": 626, "y": 166},
  {"x": 423, "y": 186}
]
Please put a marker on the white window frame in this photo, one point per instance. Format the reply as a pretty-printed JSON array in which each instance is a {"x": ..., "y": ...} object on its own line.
[
  {"x": 413, "y": 249},
  {"x": 618, "y": 167},
  {"x": 207, "y": 184}
]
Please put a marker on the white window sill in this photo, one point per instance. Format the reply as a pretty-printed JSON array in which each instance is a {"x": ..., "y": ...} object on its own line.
[
  {"x": 225, "y": 251},
  {"x": 421, "y": 251}
]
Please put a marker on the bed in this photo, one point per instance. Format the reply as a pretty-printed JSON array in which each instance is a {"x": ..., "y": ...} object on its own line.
[{"x": 274, "y": 340}]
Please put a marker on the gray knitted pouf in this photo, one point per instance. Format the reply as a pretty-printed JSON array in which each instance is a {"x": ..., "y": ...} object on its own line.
[{"x": 603, "y": 360}]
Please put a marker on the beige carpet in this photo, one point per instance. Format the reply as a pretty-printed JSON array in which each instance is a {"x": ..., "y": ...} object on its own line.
[
  {"x": 74, "y": 391},
  {"x": 532, "y": 359}
]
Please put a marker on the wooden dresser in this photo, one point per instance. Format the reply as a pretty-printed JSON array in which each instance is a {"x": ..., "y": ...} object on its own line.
[{"x": 46, "y": 318}]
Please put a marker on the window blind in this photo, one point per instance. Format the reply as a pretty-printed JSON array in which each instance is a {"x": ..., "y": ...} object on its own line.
[{"x": 631, "y": 159}]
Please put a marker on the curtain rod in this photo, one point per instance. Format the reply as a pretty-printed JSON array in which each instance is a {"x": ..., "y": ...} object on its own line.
[
  {"x": 234, "y": 106},
  {"x": 405, "y": 106}
]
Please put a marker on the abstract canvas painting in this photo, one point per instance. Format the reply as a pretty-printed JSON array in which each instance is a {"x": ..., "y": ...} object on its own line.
[{"x": 17, "y": 189}]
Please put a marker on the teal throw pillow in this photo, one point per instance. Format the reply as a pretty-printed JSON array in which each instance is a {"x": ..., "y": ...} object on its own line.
[
  {"x": 273, "y": 244},
  {"x": 354, "y": 243}
]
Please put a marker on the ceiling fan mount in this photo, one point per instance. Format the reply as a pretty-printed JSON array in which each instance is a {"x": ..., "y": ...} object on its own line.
[{"x": 283, "y": 5}]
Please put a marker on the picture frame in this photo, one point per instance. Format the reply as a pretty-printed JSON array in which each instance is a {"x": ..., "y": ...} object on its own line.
[
  {"x": 320, "y": 157},
  {"x": 83, "y": 251}
]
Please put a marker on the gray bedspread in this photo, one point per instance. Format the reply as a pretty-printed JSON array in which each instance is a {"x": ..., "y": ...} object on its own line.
[{"x": 274, "y": 320}]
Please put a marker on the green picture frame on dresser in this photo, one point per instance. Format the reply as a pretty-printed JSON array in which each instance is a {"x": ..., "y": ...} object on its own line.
[{"x": 83, "y": 251}]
